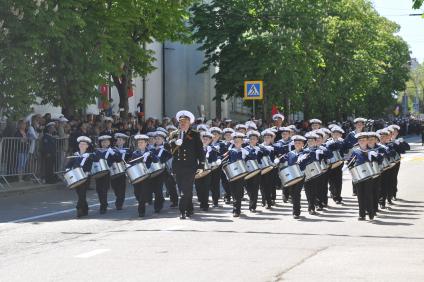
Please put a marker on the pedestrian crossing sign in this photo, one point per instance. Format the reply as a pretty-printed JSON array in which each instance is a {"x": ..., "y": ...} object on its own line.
[{"x": 253, "y": 90}]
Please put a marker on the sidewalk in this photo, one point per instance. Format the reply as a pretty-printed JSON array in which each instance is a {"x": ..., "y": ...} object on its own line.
[{"x": 18, "y": 188}]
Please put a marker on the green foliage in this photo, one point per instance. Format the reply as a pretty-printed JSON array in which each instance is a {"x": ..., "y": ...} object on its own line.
[{"x": 340, "y": 56}]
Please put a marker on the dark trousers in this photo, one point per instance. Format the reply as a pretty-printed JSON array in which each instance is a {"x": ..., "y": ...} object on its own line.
[
  {"x": 215, "y": 187},
  {"x": 141, "y": 193},
  {"x": 156, "y": 189},
  {"x": 386, "y": 182},
  {"x": 171, "y": 187},
  {"x": 311, "y": 188},
  {"x": 202, "y": 186},
  {"x": 185, "y": 180},
  {"x": 237, "y": 192},
  {"x": 322, "y": 193},
  {"x": 102, "y": 186},
  {"x": 391, "y": 191},
  {"x": 267, "y": 184},
  {"x": 118, "y": 185},
  {"x": 365, "y": 197},
  {"x": 252, "y": 189},
  {"x": 335, "y": 180},
  {"x": 376, "y": 187},
  {"x": 226, "y": 187},
  {"x": 48, "y": 165},
  {"x": 277, "y": 183},
  {"x": 295, "y": 193},
  {"x": 81, "y": 191},
  {"x": 395, "y": 178},
  {"x": 286, "y": 192}
]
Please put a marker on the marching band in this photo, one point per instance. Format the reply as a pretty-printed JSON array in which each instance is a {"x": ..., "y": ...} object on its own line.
[{"x": 240, "y": 159}]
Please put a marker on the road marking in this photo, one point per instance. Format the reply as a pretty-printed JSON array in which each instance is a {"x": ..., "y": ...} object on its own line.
[
  {"x": 173, "y": 228},
  {"x": 92, "y": 253},
  {"x": 57, "y": 213}
]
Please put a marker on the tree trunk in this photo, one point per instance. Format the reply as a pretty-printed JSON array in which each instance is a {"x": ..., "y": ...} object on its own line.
[
  {"x": 218, "y": 107},
  {"x": 306, "y": 107},
  {"x": 121, "y": 84}
]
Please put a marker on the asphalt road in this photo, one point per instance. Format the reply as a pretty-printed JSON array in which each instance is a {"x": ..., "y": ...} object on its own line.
[{"x": 41, "y": 241}]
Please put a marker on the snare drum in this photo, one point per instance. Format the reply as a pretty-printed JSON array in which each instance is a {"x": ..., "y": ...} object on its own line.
[
  {"x": 137, "y": 173},
  {"x": 336, "y": 160},
  {"x": 266, "y": 165},
  {"x": 117, "y": 169},
  {"x": 156, "y": 169},
  {"x": 362, "y": 172},
  {"x": 376, "y": 168},
  {"x": 291, "y": 175},
  {"x": 313, "y": 170},
  {"x": 99, "y": 169},
  {"x": 235, "y": 171},
  {"x": 252, "y": 168},
  {"x": 75, "y": 177},
  {"x": 385, "y": 165},
  {"x": 206, "y": 170},
  {"x": 324, "y": 165}
]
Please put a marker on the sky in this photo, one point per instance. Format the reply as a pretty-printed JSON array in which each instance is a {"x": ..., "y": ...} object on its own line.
[{"x": 411, "y": 27}]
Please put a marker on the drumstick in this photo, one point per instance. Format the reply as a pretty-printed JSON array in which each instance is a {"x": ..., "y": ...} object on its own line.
[
  {"x": 347, "y": 166},
  {"x": 136, "y": 159}
]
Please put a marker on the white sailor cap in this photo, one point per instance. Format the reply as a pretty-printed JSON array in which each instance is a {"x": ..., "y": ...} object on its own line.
[
  {"x": 104, "y": 137},
  {"x": 160, "y": 133},
  {"x": 277, "y": 116},
  {"x": 383, "y": 131},
  {"x": 325, "y": 130},
  {"x": 171, "y": 127},
  {"x": 274, "y": 129},
  {"x": 202, "y": 127},
  {"x": 253, "y": 133},
  {"x": 238, "y": 135},
  {"x": 292, "y": 127},
  {"x": 315, "y": 120},
  {"x": 311, "y": 135},
  {"x": 62, "y": 119},
  {"x": 251, "y": 124},
  {"x": 359, "y": 119},
  {"x": 52, "y": 123},
  {"x": 228, "y": 130},
  {"x": 361, "y": 135},
  {"x": 337, "y": 128},
  {"x": 162, "y": 129},
  {"x": 84, "y": 139},
  {"x": 215, "y": 129},
  {"x": 151, "y": 133},
  {"x": 206, "y": 134},
  {"x": 374, "y": 134},
  {"x": 268, "y": 132},
  {"x": 330, "y": 126},
  {"x": 121, "y": 135},
  {"x": 165, "y": 118},
  {"x": 319, "y": 132},
  {"x": 108, "y": 119},
  {"x": 228, "y": 120},
  {"x": 202, "y": 119},
  {"x": 285, "y": 129},
  {"x": 185, "y": 114},
  {"x": 298, "y": 138},
  {"x": 238, "y": 126},
  {"x": 395, "y": 126},
  {"x": 141, "y": 137}
]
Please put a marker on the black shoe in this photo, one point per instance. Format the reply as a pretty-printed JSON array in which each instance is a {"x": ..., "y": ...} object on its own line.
[
  {"x": 173, "y": 205},
  {"x": 312, "y": 212},
  {"x": 189, "y": 213},
  {"x": 361, "y": 218},
  {"x": 273, "y": 203},
  {"x": 339, "y": 203},
  {"x": 183, "y": 216},
  {"x": 285, "y": 199},
  {"x": 80, "y": 213},
  {"x": 141, "y": 214},
  {"x": 295, "y": 216},
  {"x": 390, "y": 202},
  {"x": 263, "y": 204},
  {"x": 320, "y": 208},
  {"x": 253, "y": 210},
  {"x": 354, "y": 194},
  {"x": 102, "y": 211},
  {"x": 371, "y": 216},
  {"x": 228, "y": 201},
  {"x": 268, "y": 207},
  {"x": 383, "y": 207},
  {"x": 394, "y": 198},
  {"x": 119, "y": 208},
  {"x": 216, "y": 205},
  {"x": 85, "y": 212},
  {"x": 236, "y": 214},
  {"x": 205, "y": 209},
  {"x": 157, "y": 211}
]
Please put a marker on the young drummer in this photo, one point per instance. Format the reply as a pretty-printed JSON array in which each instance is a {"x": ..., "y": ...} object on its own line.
[
  {"x": 228, "y": 143},
  {"x": 281, "y": 148},
  {"x": 162, "y": 155},
  {"x": 335, "y": 174},
  {"x": 267, "y": 180},
  {"x": 373, "y": 139},
  {"x": 82, "y": 159},
  {"x": 142, "y": 190},
  {"x": 237, "y": 153},
  {"x": 253, "y": 183},
  {"x": 387, "y": 174},
  {"x": 102, "y": 183},
  {"x": 293, "y": 157},
  {"x": 322, "y": 193},
  {"x": 219, "y": 149},
  {"x": 364, "y": 188},
  {"x": 118, "y": 183}
]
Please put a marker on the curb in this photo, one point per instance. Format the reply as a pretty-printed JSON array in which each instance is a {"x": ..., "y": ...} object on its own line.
[{"x": 8, "y": 192}]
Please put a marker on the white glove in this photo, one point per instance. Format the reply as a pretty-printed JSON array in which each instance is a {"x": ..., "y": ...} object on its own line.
[
  {"x": 85, "y": 155},
  {"x": 244, "y": 153},
  {"x": 319, "y": 151},
  {"x": 372, "y": 153},
  {"x": 400, "y": 140},
  {"x": 270, "y": 148},
  {"x": 179, "y": 142},
  {"x": 68, "y": 169},
  {"x": 218, "y": 161},
  {"x": 276, "y": 161},
  {"x": 397, "y": 142},
  {"x": 111, "y": 151}
]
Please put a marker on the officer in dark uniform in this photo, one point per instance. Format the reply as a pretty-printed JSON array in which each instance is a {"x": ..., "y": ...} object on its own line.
[
  {"x": 48, "y": 151},
  {"x": 278, "y": 123},
  {"x": 188, "y": 157}
]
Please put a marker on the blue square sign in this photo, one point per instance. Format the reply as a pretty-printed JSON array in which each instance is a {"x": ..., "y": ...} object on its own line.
[{"x": 253, "y": 90}]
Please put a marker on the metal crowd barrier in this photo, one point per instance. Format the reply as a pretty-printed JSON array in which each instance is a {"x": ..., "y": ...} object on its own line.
[{"x": 19, "y": 158}]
